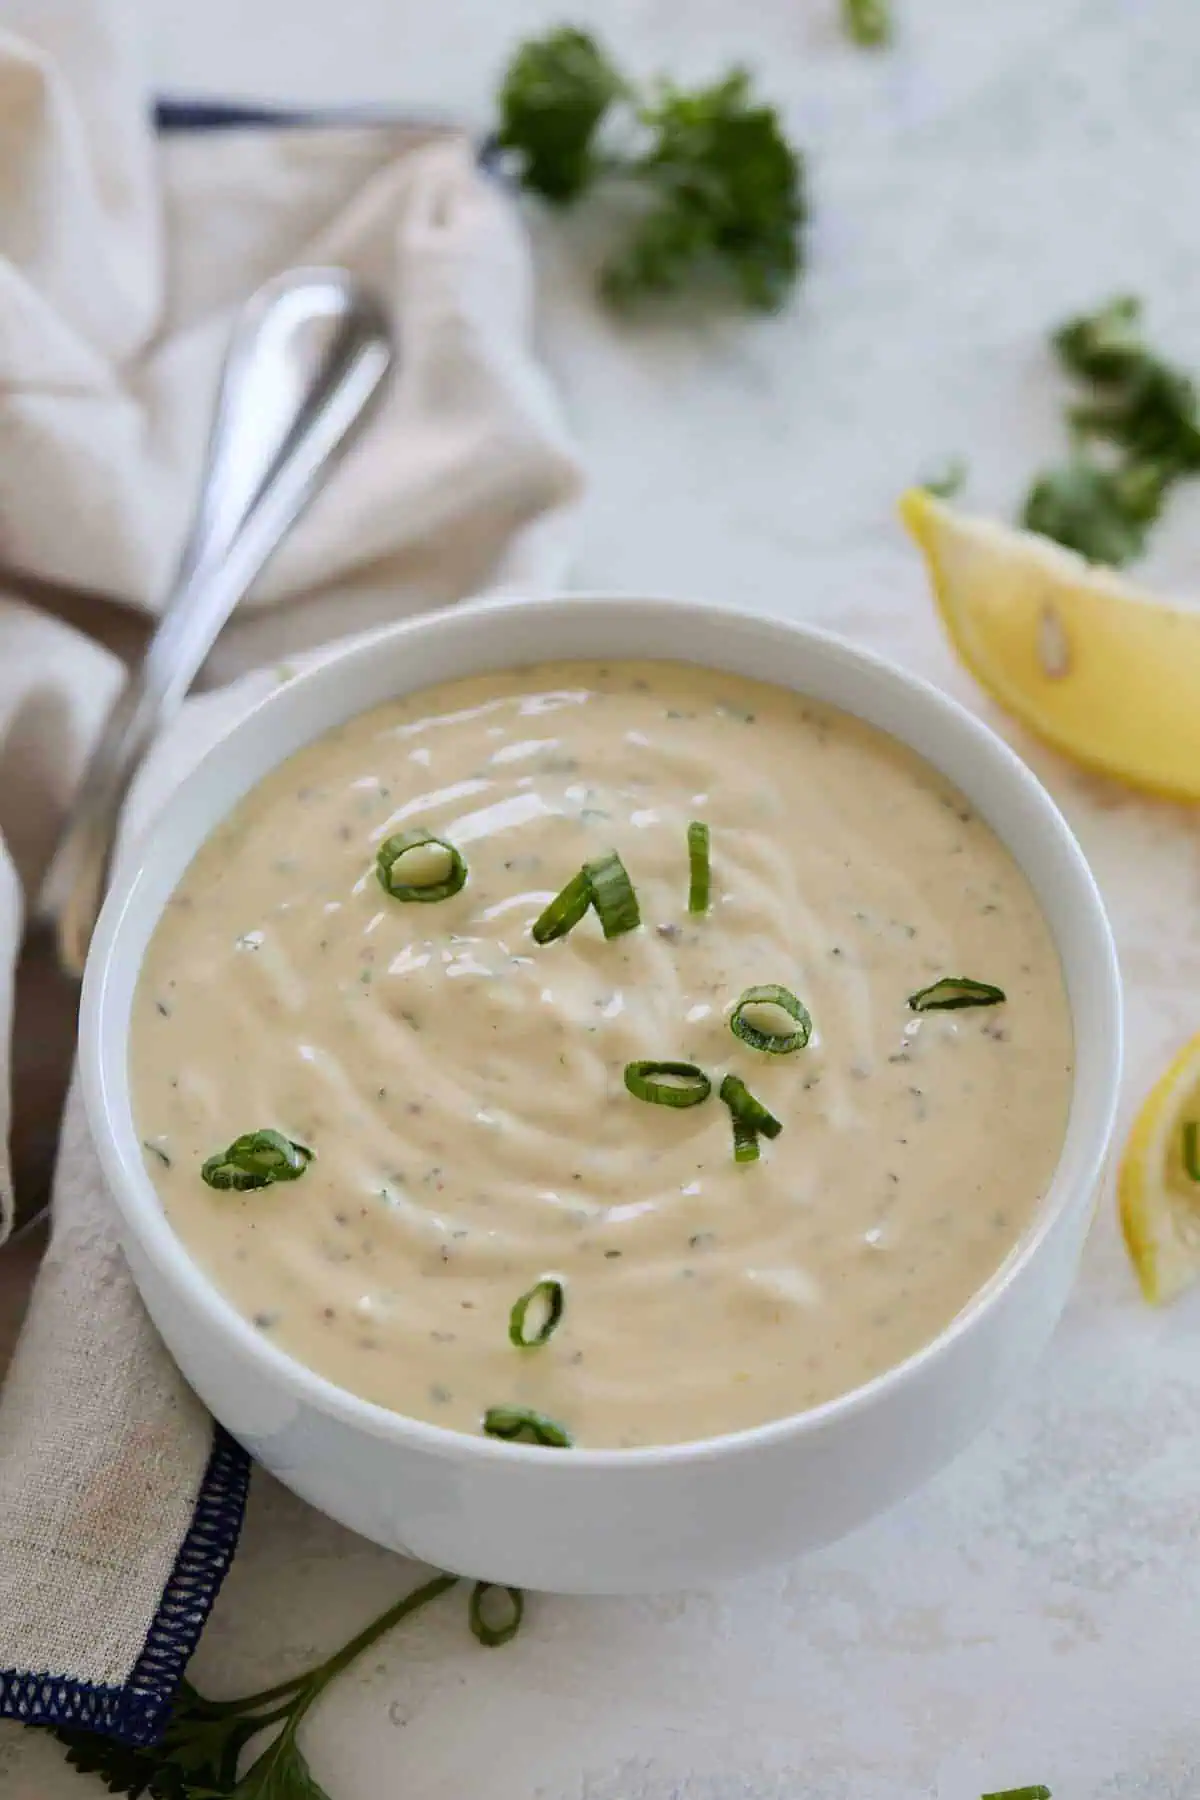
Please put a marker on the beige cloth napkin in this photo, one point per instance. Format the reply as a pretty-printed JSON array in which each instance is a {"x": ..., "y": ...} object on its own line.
[{"x": 120, "y": 261}]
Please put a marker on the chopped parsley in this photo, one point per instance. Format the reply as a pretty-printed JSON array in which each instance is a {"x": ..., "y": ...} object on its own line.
[{"x": 718, "y": 190}]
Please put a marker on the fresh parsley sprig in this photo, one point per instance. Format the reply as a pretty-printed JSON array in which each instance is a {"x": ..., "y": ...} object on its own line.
[
  {"x": 716, "y": 188},
  {"x": 1133, "y": 438},
  {"x": 197, "y": 1757}
]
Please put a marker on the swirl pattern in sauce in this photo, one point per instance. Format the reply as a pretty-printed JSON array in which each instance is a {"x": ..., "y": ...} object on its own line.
[{"x": 462, "y": 1088}]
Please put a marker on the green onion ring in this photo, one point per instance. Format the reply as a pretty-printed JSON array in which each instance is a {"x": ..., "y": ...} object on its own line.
[
  {"x": 686, "y": 1085},
  {"x": 552, "y": 1292},
  {"x": 1191, "y": 1150},
  {"x": 699, "y": 866},
  {"x": 495, "y": 1635},
  {"x": 564, "y": 911},
  {"x": 613, "y": 897},
  {"x": 256, "y": 1160},
  {"x": 521, "y": 1422},
  {"x": 391, "y": 854},
  {"x": 747, "y": 1110},
  {"x": 953, "y": 992},
  {"x": 775, "y": 1043}
]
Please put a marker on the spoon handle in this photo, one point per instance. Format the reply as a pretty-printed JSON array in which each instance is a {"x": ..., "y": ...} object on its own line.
[{"x": 307, "y": 356}]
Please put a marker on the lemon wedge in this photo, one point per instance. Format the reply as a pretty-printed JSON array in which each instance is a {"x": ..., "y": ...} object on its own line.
[
  {"x": 1158, "y": 1195},
  {"x": 1095, "y": 666}
]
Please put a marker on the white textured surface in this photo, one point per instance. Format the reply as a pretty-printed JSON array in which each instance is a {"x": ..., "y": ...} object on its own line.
[{"x": 1035, "y": 1614}]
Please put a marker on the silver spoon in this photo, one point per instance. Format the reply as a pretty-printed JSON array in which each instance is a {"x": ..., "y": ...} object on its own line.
[{"x": 307, "y": 356}]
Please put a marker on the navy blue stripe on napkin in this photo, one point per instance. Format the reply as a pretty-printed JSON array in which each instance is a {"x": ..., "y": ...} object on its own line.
[
  {"x": 177, "y": 114},
  {"x": 138, "y": 1710},
  {"x": 222, "y": 115}
]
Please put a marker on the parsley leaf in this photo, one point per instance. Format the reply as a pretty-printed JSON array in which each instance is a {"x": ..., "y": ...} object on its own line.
[
  {"x": 1140, "y": 403},
  {"x": 196, "y": 1758},
  {"x": 1084, "y": 508},
  {"x": 1144, "y": 415},
  {"x": 132, "y": 1772},
  {"x": 726, "y": 197},
  {"x": 715, "y": 188},
  {"x": 1105, "y": 345},
  {"x": 555, "y": 93},
  {"x": 280, "y": 1773}
]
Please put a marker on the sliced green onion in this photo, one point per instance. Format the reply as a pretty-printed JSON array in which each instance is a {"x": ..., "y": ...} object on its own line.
[
  {"x": 767, "y": 1037},
  {"x": 416, "y": 865},
  {"x": 699, "y": 866},
  {"x": 745, "y": 1142},
  {"x": 564, "y": 911},
  {"x": 522, "y": 1423},
  {"x": 1191, "y": 1150},
  {"x": 612, "y": 895},
  {"x": 743, "y": 1105},
  {"x": 749, "y": 1117},
  {"x": 667, "y": 1083},
  {"x": 953, "y": 992},
  {"x": 551, "y": 1296},
  {"x": 603, "y": 883},
  {"x": 255, "y": 1160},
  {"x": 488, "y": 1632},
  {"x": 1037, "y": 1792}
]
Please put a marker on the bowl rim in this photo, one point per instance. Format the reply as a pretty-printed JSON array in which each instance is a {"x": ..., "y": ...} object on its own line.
[{"x": 104, "y": 1066}]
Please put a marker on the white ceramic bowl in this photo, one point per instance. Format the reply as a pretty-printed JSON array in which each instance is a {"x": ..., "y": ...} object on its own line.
[{"x": 603, "y": 1521}]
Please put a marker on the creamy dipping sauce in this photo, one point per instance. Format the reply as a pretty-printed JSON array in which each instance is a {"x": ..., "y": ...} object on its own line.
[{"x": 462, "y": 1088}]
